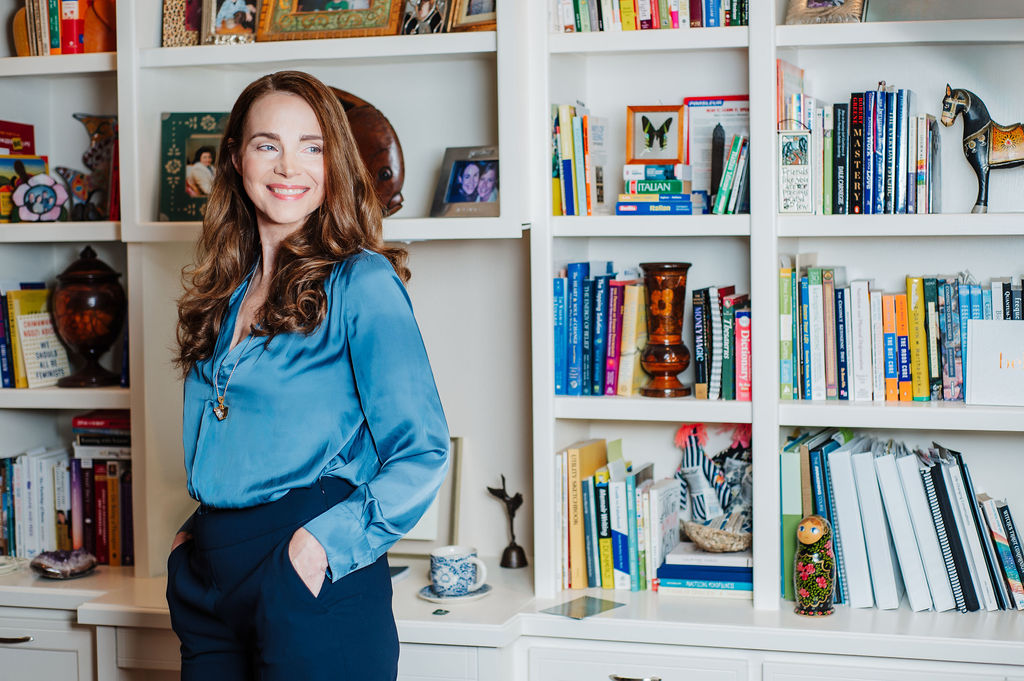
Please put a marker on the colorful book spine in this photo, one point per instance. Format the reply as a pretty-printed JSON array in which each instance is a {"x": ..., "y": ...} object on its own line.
[
  {"x": 904, "y": 386},
  {"x": 577, "y": 273},
  {"x": 892, "y": 392},
  {"x": 566, "y": 151},
  {"x": 101, "y": 513},
  {"x": 587, "y": 337},
  {"x": 963, "y": 314},
  {"x": 559, "y": 311},
  {"x": 843, "y": 363},
  {"x": 725, "y": 186},
  {"x": 700, "y": 363},
  {"x": 600, "y": 327},
  {"x": 828, "y": 298},
  {"x": 593, "y": 571},
  {"x": 828, "y": 159},
  {"x": 653, "y": 208},
  {"x": 855, "y": 202},
  {"x": 786, "y": 358},
  {"x": 604, "y": 529},
  {"x": 933, "y": 337},
  {"x": 878, "y": 153},
  {"x": 889, "y": 206},
  {"x": 616, "y": 295},
  {"x": 666, "y": 186},
  {"x": 918, "y": 339},
  {"x": 805, "y": 339},
  {"x": 840, "y": 157},
  {"x": 869, "y": 138},
  {"x": 743, "y": 354},
  {"x": 579, "y": 174},
  {"x": 620, "y": 534}
]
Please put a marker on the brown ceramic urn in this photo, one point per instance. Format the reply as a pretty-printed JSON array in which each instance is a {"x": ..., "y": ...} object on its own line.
[{"x": 88, "y": 312}]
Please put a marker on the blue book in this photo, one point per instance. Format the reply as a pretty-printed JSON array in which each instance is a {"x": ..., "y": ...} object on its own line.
[
  {"x": 6, "y": 370},
  {"x": 891, "y": 364},
  {"x": 805, "y": 335},
  {"x": 581, "y": 175},
  {"x": 729, "y": 573},
  {"x": 649, "y": 171},
  {"x": 842, "y": 352},
  {"x": 561, "y": 336},
  {"x": 890, "y": 152},
  {"x": 904, "y": 104},
  {"x": 902, "y": 358},
  {"x": 869, "y": 152},
  {"x": 878, "y": 191},
  {"x": 986, "y": 303},
  {"x": 712, "y": 13},
  {"x": 602, "y": 284},
  {"x": 722, "y": 585},
  {"x": 587, "y": 337},
  {"x": 590, "y": 531},
  {"x": 577, "y": 274},
  {"x": 828, "y": 448},
  {"x": 977, "y": 305},
  {"x": 961, "y": 314},
  {"x": 652, "y": 208}
]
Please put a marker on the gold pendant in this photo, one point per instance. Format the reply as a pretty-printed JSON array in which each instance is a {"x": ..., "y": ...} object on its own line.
[{"x": 220, "y": 410}]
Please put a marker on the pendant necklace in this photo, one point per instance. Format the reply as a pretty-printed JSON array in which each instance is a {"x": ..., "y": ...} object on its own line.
[{"x": 220, "y": 410}]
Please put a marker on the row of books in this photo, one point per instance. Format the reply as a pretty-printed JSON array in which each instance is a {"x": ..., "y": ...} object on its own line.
[
  {"x": 617, "y": 523},
  {"x": 733, "y": 192},
  {"x": 575, "y": 16},
  {"x": 721, "y": 344},
  {"x": 854, "y": 342},
  {"x": 55, "y": 27},
  {"x": 903, "y": 522},
  {"x": 689, "y": 570},
  {"x": 579, "y": 155},
  {"x": 600, "y": 328},
  {"x": 31, "y": 356},
  {"x": 53, "y": 499},
  {"x": 668, "y": 196},
  {"x": 870, "y": 155}
]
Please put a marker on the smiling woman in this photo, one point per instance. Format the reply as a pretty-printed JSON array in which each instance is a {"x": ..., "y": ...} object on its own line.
[{"x": 314, "y": 437}]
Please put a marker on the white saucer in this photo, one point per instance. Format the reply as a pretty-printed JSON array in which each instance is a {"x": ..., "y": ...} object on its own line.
[{"x": 427, "y": 594}]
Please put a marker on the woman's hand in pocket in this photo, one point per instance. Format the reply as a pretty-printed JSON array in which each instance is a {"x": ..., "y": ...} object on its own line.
[
  {"x": 309, "y": 559},
  {"x": 180, "y": 539}
]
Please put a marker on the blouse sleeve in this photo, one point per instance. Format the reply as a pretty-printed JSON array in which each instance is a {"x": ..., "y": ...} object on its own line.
[{"x": 403, "y": 412}]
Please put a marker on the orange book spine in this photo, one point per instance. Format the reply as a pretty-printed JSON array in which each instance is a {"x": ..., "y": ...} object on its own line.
[
  {"x": 906, "y": 392},
  {"x": 889, "y": 337},
  {"x": 114, "y": 513}
]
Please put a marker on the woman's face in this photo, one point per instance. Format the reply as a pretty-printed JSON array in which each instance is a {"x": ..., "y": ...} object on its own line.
[
  {"x": 280, "y": 158},
  {"x": 470, "y": 176},
  {"x": 206, "y": 158},
  {"x": 486, "y": 184}
]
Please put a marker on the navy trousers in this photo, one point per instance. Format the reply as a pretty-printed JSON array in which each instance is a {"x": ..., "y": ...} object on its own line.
[{"x": 243, "y": 613}]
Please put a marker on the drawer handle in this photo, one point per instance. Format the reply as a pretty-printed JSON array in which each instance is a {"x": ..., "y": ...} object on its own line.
[
  {"x": 616, "y": 677},
  {"x": 15, "y": 639}
]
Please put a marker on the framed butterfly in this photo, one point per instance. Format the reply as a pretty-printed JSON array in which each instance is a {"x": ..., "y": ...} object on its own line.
[{"x": 653, "y": 134}]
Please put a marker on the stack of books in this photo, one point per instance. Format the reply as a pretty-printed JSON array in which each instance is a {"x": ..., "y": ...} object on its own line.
[
  {"x": 575, "y": 16},
  {"x": 54, "y": 27},
  {"x": 733, "y": 193},
  {"x": 617, "y": 521},
  {"x": 655, "y": 189},
  {"x": 853, "y": 342},
  {"x": 579, "y": 154},
  {"x": 52, "y": 500},
  {"x": 31, "y": 356},
  {"x": 689, "y": 570},
  {"x": 904, "y": 522},
  {"x": 721, "y": 344}
]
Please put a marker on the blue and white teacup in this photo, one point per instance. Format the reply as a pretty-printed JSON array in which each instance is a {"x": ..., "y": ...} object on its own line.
[{"x": 456, "y": 571}]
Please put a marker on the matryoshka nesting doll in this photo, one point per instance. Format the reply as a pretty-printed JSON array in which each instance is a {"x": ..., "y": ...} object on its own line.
[{"x": 815, "y": 571}]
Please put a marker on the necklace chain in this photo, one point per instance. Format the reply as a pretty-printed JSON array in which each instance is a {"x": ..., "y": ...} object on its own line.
[{"x": 220, "y": 410}]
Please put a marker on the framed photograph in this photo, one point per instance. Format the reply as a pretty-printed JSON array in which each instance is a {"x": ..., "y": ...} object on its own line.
[
  {"x": 315, "y": 19},
  {"x": 468, "y": 184},
  {"x": 825, "y": 11},
  {"x": 181, "y": 23},
  {"x": 654, "y": 134},
  {"x": 439, "y": 526},
  {"x": 189, "y": 144},
  {"x": 473, "y": 15},
  {"x": 229, "y": 22},
  {"x": 424, "y": 16}
]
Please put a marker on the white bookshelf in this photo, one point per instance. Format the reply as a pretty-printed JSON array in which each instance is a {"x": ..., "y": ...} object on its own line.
[
  {"x": 937, "y": 225},
  {"x": 672, "y": 40},
  {"x": 677, "y": 410},
  {"x": 650, "y": 225},
  {"x": 925, "y": 416},
  {"x": 54, "y": 232},
  {"x": 59, "y": 64},
  {"x": 903, "y": 33},
  {"x": 65, "y": 398}
]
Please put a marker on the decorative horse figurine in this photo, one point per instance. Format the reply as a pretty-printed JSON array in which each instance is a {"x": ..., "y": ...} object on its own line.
[{"x": 987, "y": 144}]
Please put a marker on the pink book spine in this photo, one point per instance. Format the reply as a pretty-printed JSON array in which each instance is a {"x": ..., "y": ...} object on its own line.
[
  {"x": 615, "y": 300},
  {"x": 743, "y": 389}
]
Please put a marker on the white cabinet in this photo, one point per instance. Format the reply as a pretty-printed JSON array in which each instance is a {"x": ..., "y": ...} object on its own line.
[
  {"x": 593, "y": 661},
  {"x": 45, "y": 644},
  {"x": 890, "y": 670},
  {"x": 420, "y": 662}
]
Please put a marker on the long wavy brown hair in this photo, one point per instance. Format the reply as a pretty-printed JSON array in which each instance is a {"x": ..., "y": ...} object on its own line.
[{"x": 349, "y": 219}]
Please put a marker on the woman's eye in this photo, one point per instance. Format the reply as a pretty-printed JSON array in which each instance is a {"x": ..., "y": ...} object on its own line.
[
  {"x": 314, "y": 149},
  {"x": 265, "y": 147}
]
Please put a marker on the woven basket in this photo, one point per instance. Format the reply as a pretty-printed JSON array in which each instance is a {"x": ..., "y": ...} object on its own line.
[{"x": 715, "y": 540}]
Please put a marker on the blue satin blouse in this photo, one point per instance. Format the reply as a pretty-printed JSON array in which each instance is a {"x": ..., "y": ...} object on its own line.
[{"x": 354, "y": 399}]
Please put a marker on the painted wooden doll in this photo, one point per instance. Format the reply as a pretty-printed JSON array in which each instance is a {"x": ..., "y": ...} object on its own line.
[{"x": 815, "y": 569}]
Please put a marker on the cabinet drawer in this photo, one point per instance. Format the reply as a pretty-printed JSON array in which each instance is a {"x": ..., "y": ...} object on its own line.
[
  {"x": 896, "y": 670},
  {"x": 56, "y": 650},
  {"x": 421, "y": 662},
  {"x": 630, "y": 661}
]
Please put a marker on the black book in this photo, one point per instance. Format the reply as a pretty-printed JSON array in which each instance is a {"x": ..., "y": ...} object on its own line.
[
  {"x": 940, "y": 530},
  {"x": 701, "y": 322},
  {"x": 840, "y": 157},
  {"x": 956, "y": 543},
  {"x": 1007, "y": 300},
  {"x": 1016, "y": 307},
  {"x": 587, "y": 335},
  {"x": 856, "y": 153}
]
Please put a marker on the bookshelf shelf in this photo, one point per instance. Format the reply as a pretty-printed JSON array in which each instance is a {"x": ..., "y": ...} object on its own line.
[
  {"x": 652, "y": 409},
  {"x": 877, "y": 34},
  {"x": 64, "y": 398},
  {"x": 654, "y": 226},
  {"x": 937, "y": 225},
  {"x": 395, "y": 229},
  {"x": 305, "y": 51},
  {"x": 910, "y": 415},
  {"x": 674, "y": 40},
  {"x": 59, "y": 232},
  {"x": 58, "y": 64}
]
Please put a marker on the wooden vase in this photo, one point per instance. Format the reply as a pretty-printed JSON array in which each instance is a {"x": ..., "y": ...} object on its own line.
[
  {"x": 88, "y": 311},
  {"x": 665, "y": 355}
]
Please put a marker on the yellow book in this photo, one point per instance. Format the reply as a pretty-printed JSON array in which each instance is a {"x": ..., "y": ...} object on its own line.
[
  {"x": 627, "y": 11},
  {"x": 634, "y": 339},
  {"x": 582, "y": 459},
  {"x": 567, "y": 151},
  {"x": 604, "y": 531},
  {"x": 918, "y": 339},
  {"x": 114, "y": 513},
  {"x": 22, "y": 302}
]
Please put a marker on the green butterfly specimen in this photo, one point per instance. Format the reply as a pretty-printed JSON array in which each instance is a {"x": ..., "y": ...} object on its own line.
[{"x": 654, "y": 135}]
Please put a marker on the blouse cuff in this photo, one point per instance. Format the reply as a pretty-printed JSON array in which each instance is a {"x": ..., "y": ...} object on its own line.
[{"x": 343, "y": 537}]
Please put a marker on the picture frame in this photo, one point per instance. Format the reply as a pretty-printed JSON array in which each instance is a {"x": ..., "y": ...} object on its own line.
[
  {"x": 181, "y": 23},
  {"x": 311, "y": 20},
  {"x": 473, "y": 15},
  {"x": 186, "y": 140},
  {"x": 826, "y": 11},
  {"x": 229, "y": 22},
  {"x": 439, "y": 526},
  {"x": 795, "y": 181},
  {"x": 423, "y": 17},
  {"x": 468, "y": 185},
  {"x": 654, "y": 134}
]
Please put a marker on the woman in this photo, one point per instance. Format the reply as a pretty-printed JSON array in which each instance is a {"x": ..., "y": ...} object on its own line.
[
  {"x": 314, "y": 437},
  {"x": 485, "y": 186},
  {"x": 467, "y": 180},
  {"x": 200, "y": 173}
]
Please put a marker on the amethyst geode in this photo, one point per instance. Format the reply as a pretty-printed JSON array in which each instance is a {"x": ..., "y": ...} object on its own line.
[{"x": 63, "y": 564}]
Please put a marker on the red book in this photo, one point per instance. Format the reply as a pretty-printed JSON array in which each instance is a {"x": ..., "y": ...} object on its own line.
[
  {"x": 100, "y": 513},
  {"x": 114, "y": 204},
  {"x": 696, "y": 14},
  {"x": 72, "y": 34},
  {"x": 112, "y": 419},
  {"x": 743, "y": 374},
  {"x": 18, "y": 138},
  {"x": 616, "y": 299}
]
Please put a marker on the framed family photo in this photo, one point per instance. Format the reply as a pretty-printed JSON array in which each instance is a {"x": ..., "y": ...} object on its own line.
[
  {"x": 228, "y": 22},
  {"x": 473, "y": 15},
  {"x": 825, "y": 11},
  {"x": 424, "y": 17},
  {"x": 654, "y": 134},
  {"x": 439, "y": 526},
  {"x": 189, "y": 144},
  {"x": 315, "y": 19},
  {"x": 468, "y": 184}
]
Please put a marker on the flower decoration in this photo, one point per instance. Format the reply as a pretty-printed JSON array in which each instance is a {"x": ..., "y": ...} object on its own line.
[{"x": 40, "y": 199}]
